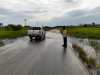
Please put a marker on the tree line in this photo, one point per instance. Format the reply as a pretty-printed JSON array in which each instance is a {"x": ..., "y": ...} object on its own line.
[
  {"x": 11, "y": 27},
  {"x": 15, "y": 27}
]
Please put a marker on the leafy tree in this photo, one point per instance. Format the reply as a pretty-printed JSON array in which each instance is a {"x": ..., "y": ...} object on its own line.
[
  {"x": 1, "y": 24},
  {"x": 85, "y": 25},
  {"x": 18, "y": 27},
  {"x": 93, "y": 24},
  {"x": 14, "y": 27}
]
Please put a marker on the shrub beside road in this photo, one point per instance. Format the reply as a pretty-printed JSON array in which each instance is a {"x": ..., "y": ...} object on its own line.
[
  {"x": 12, "y": 31},
  {"x": 85, "y": 32},
  {"x": 91, "y": 62},
  {"x": 12, "y": 34}
]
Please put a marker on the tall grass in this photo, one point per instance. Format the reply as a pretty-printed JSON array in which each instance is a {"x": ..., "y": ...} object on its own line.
[
  {"x": 85, "y": 32},
  {"x": 12, "y": 34}
]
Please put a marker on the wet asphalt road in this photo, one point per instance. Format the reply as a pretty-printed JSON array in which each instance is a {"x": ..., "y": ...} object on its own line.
[{"x": 39, "y": 58}]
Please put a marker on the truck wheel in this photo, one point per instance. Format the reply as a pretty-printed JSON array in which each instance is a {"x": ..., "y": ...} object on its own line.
[
  {"x": 36, "y": 38},
  {"x": 30, "y": 37},
  {"x": 40, "y": 38},
  {"x": 44, "y": 37}
]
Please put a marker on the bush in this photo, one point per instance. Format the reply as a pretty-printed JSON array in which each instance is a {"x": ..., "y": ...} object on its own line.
[
  {"x": 82, "y": 54},
  {"x": 85, "y": 32},
  {"x": 98, "y": 66},
  {"x": 1, "y": 43},
  {"x": 91, "y": 62},
  {"x": 15, "y": 27},
  {"x": 13, "y": 34}
]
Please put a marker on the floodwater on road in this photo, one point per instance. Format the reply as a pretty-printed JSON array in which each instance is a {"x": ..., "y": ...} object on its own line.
[
  {"x": 47, "y": 57},
  {"x": 6, "y": 41}
]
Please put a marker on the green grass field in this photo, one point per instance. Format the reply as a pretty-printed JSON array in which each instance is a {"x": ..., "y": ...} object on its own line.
[
  {"x": 12, "y": 34},
  {"x": 85, "y": 32}
]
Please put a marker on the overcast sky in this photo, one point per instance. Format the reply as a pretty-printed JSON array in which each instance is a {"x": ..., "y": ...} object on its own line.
[{"x": 51, "y": 12}]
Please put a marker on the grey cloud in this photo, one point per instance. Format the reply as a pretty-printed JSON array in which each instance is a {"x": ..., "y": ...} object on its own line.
[
  {"x": 11, "y": 17},
  {"x": 81, "y": 20},
  {"x": 34, "y": 9},
  {"x": 72, "y": 1},
  {"x": 4, "y": 11},
  {"x": 82, "y": 13},
  {"x": 76, "y": 13},
  {"x": 37, "y": 11},
  {"x": 95, "y": 10},
  {"x": 69, "y": 0},
  {"x": 78, "y": 17},
  {"x": 10, "y": 13}
]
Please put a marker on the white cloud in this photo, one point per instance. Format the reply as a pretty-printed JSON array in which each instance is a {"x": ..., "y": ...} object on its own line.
[
  {"x": 89, "y": 4},
  {"x": 44, "y": 10},
  {"x": 41, "y": 9}
]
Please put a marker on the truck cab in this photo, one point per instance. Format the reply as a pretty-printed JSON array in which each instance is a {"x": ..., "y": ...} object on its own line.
[{"x": 37, "y": 32}]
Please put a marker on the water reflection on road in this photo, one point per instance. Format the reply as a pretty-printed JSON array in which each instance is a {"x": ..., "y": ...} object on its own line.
[
  {"x": 6, "y": 41},
  {"x": 1, "y": 43},
  {"x": 40, "y": 58}
]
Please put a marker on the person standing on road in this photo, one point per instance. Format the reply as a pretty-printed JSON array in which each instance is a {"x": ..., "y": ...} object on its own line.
[{"x": 64, "y": 34}]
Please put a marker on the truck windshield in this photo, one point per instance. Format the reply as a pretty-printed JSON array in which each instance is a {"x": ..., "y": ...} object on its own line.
[{"x": 36, "y": 28}]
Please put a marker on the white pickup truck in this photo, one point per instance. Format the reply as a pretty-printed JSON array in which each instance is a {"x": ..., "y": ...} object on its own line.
[{"x": 37, "y": 32}]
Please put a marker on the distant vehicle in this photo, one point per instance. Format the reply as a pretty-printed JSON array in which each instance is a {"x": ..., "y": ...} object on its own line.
[{"x": 37, "y": 32}]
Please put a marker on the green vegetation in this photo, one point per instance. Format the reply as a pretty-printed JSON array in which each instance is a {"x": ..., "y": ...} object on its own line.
[
  {"x": 95, "y": 45},
  {"x": 1, "y": 43},
  {"x": 84, "y": 32},
  {"x": 12, "y": 31},
  {"x": 98, "y": 66},
  {"x": 91, "y": 62},
  {"x": 12, "y": 34}
]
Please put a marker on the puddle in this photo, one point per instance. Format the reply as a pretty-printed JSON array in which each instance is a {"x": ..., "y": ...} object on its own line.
[
  {"x": 6, "y": 41},
  {"x": 1, "y": 43}
]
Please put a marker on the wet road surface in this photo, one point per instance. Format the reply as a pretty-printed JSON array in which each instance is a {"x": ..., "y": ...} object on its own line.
[{"x": 39, "y": 58}]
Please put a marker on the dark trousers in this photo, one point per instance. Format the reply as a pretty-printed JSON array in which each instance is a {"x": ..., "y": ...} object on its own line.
[{"x": 65, "y": 41}]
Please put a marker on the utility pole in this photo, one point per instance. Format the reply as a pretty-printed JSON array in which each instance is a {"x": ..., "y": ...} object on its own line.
[{"x": 25, "y": 21}]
